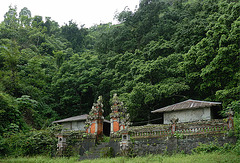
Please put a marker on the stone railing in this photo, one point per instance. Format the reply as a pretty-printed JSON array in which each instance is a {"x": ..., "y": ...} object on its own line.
[
  {"x": 193, "y": 128},
  {"x": 150, "y": 133},
  {"x": 203, "y": 129}
]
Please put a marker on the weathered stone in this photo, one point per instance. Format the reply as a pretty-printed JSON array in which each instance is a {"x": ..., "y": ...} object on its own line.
[
  {"x": 94, "y": 122},
  {"x": 160, "y": 145},
  {"x": 119, "y": 118}
]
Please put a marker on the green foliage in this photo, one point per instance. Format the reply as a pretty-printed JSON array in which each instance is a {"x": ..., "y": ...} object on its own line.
[
  {"x": 27, "y": 107},
  {"x": 106, "y": 152},
  {"x": 105, "y": 139},
  {"x": 25, "y": 16},
  {"x": 178, "y": 135},
  {"x": 75, "y": 84},
  {"x": 74, "y": 35},
  {"x": 40, "y": 159},
  {"x": 202, "y": 158},
  {"x": 206, "y": 148},
  {"x": 215, "y": 147},
  {"x": 164, "y": 52},
  {"x": 31, "y": 143},
  {"x": 10, "y": 116},
  {"x": 10, "y": 17},
  {"x": 236, "y": 148}
]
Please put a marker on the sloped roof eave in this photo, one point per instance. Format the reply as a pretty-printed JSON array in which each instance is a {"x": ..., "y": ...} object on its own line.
[
  {"x": 76, "y": 118},
  {"x": 71, "y": 119}
]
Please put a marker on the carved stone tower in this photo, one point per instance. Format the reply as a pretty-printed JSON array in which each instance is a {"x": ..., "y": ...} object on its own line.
[
  {"x": 94, "y": 122},
  {"x": 119, "y": 117}
]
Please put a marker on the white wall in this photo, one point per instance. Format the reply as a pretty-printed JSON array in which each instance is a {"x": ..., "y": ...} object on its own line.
[
  {"x": 77, "y": 125},
  {"x": 67, "y": 125},
  {"x": 188, "y": 115}
]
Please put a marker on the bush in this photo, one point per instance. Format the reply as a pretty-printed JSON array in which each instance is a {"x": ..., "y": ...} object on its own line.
[
  {"x": 236, "y": 148},
  {"x": 205, "y": 148},
  {"x": 28, "y": 144},
  {"x": 107, "y": 152},
  {"x": 214, "y": 147},
  {"x": 10, "y": 116}
]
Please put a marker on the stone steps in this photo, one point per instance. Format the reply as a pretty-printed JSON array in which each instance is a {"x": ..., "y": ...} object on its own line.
[{"x": 95, "y": 152}]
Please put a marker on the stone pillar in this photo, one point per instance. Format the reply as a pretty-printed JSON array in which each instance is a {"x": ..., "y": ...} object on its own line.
[
  {"x": 125, "y": 143},
  {"x": 230, "y": 119},
  {"x": 94, "y": 122},
  {"x": 62, "y": 144},
  {"x": 174, "y": 122}
]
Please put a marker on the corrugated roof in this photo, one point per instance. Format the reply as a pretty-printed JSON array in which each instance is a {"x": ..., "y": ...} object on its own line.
[
  {"x": 76, "y": 118},
  {"x": 188, "y": 104}
]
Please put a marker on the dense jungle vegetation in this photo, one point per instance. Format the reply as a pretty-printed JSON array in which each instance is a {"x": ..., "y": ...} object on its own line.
[{"x": 165, "y": 52}]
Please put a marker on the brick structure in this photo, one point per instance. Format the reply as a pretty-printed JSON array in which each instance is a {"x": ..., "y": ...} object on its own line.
[
  {"x": 119, "y": 117},
  {"x": 94, "y": 122}
]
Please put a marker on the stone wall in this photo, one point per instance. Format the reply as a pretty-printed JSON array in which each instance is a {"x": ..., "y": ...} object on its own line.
[
  {"x": 84, "y": 145},
  {"x": 153, "y": 145},
  {"x": 114, "y": 143},
  {"x": 153, "y": 139},
  {"x": 79, "y": 143},
  {"x": 143, "y": 146},
  {"x": 74, "y": 143},
  {"x": 156, "y": 139}
]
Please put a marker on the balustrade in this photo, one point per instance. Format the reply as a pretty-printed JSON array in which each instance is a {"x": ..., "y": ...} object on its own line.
[{"x": 183, "y": 129}]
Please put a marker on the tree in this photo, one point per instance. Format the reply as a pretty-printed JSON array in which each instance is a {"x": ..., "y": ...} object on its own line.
[
  {"x": 75, "y": 84},
  {"x": 27, "y": 108},
  {"x": 74, "y": 35},
  {"x": 25, "y": 17},
  {"x": 10, "y": 18},
  {"x": 10, "y": 54},
  {"x": 52, "y": 27},
  {"x": 10, "y": 116}
]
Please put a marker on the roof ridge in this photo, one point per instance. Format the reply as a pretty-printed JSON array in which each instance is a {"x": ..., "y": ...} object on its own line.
[
  {"x": 203, "y": 101},
  {"x": 176, "y": 107}
]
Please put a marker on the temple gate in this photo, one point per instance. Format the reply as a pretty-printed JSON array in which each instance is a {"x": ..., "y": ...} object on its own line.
[
  {"x": 119, "y": 117},
  {"x": 94, "y": 122}
]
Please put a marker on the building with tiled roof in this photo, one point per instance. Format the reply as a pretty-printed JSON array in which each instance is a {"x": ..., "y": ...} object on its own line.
[
  {"x": 77, "y": 123},
  {"x": 190, "y": 110}
]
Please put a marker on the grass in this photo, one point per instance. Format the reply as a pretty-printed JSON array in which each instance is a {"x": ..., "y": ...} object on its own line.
[
  {"x": 39, "y": 159},
  {"x": 178, "y": 158}
]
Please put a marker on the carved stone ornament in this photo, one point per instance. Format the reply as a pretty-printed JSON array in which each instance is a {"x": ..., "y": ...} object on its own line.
[
  {"x": 174, "y": 120},
  {"x": 119, "y": 118},
  {"x": 96, "y": 113},
  {"x": 125, "y": 143},
  {"x": 230, "y": 119}
]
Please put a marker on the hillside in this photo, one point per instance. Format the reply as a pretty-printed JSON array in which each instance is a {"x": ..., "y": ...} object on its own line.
[{"x": 165, "y": 52}]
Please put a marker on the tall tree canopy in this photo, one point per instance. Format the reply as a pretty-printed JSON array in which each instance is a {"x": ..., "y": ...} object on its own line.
[{"x": 164, "y": 52}]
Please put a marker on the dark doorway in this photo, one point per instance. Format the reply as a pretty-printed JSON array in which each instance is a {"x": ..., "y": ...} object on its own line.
[
  {"x": 216, "y": 112},
  {"x": 106, "y": 128}
]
